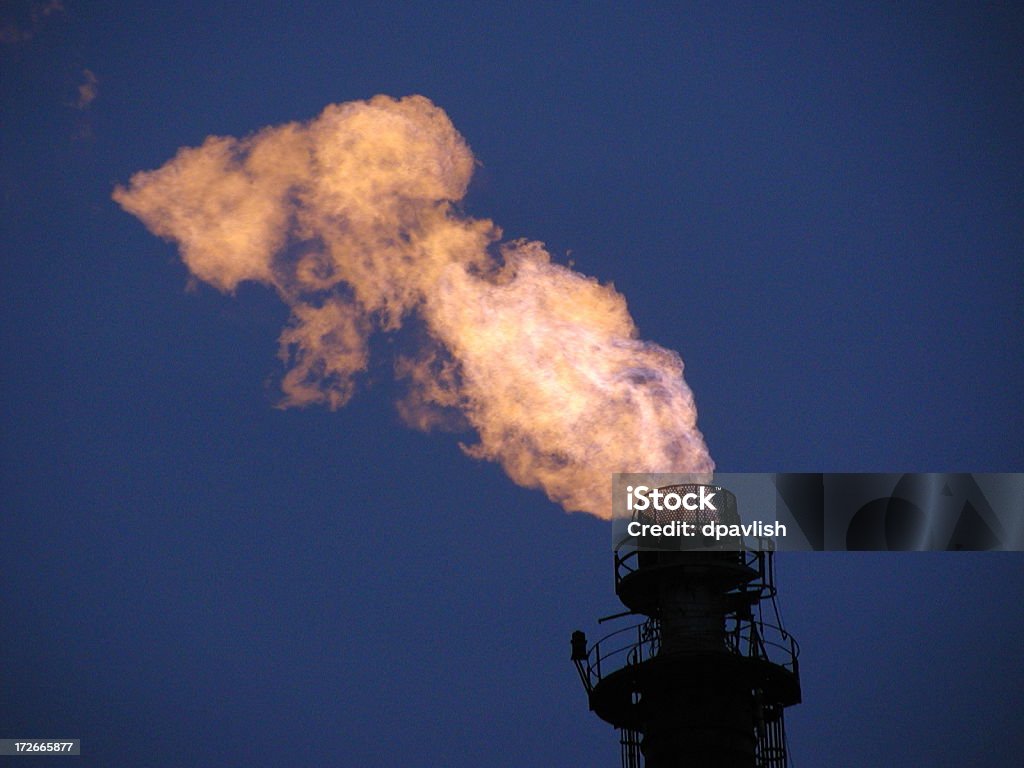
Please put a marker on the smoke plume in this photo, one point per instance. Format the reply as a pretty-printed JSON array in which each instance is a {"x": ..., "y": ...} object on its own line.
[{"x": 350, "y": 218}]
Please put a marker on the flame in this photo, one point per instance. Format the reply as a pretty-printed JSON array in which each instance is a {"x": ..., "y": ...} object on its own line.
[{"x": 350, "y": 218}]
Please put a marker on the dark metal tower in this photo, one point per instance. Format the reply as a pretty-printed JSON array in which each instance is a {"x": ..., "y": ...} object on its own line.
[{"x": 704, "y": 678}]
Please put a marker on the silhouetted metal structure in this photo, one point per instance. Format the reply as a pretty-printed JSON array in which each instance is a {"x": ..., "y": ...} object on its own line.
[{"x": 704, "y": 678}]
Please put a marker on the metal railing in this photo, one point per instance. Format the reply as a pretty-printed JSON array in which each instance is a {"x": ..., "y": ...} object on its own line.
[
  {"x": 630, "y": 645},
  {"x": 627, "y": 561},
  {"x": 747, "y": 638}
]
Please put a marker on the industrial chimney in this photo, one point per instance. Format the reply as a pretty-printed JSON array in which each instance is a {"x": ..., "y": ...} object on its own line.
[{"x": 704, "y": 678}]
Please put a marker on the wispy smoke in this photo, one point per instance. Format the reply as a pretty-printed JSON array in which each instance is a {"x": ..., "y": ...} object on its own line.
[
  {"x": 12, "y": 32},
  {"x": 88, "y": 90},
  {"x": 350, "y": 218}
]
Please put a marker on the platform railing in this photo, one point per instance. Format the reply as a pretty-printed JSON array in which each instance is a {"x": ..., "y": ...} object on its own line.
[
  {"x": 627, "y": 646},
  {"x": 637, "y": 643}
]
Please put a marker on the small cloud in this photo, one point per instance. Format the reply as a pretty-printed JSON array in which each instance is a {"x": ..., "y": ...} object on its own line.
[
  {"x": 87, "y": 91},
  {"x": 41, "y": 10},
  {"x": 13, "y": 32}
]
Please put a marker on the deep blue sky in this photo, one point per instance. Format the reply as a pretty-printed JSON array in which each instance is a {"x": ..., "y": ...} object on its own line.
[{"x": 821, "y": 210}]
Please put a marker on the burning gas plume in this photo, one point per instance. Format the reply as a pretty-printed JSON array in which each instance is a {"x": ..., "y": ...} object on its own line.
[{"x": 349, "y": 217}]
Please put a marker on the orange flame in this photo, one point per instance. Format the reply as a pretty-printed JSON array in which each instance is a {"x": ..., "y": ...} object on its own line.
[{"x": 349, "y": 217}]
